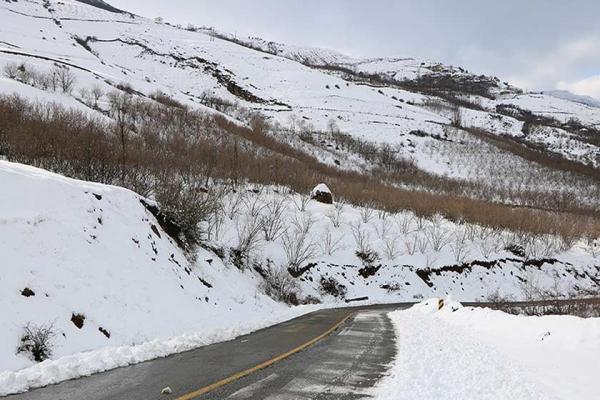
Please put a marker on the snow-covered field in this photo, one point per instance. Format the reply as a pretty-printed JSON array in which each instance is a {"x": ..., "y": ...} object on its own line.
[{"x": 474, "y": 353}]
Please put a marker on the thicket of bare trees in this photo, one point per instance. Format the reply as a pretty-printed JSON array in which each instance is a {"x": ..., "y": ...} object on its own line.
[
  {"x": 60, "y": 77},
  {"x": 157, "y": 150}
]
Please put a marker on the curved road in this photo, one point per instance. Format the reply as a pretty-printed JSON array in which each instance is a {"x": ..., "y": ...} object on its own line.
[{"x": 342, "y": 365}]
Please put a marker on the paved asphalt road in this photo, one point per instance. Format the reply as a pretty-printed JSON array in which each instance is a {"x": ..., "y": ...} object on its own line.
[{"x": 342, "y": 365}]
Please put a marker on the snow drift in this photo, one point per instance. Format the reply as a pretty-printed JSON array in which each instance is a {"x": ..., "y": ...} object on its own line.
[{"x": 473, "y": 353}]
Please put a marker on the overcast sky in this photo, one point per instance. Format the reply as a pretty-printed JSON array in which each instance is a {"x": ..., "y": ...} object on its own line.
[{"x": 535, "y": 44}]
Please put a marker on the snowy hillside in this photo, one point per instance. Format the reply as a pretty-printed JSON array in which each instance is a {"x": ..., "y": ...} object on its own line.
[
  {"x": 565, "y": 94},
  {"x": 442, "y": 182},
  {"x": 381, "y": 100},
  {"x": 93, "y": 263}
]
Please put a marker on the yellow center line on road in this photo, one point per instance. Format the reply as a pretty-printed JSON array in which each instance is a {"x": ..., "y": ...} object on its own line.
[{"x": 241, "y": 374}]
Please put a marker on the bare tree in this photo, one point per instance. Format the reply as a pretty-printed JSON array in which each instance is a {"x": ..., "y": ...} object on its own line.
[
  {"x": 66, "y": 78},
  {"x": 300, "y": 200},
  {"x": 366, "y": 213},
  {"x": 382, "y": 227},
  {"x": 403, "y": 222},
  {"x": 96, "y": 93},
  {"x": 329, "y": 243},
  {"x": 335, "y": 215},
  {"x": 273, "y": 222},
  {"x": 11, "y": 70},
  {"x": 122, "y": 111},
  {"x": 361, "y": 237},
  {"x": 411, "y": 243},
  {"x": 248, "y": 231},
  {"x": 391, "y": 248},
  {"x": 437, "y": 234},
  {"x": 459, "y": 245}
]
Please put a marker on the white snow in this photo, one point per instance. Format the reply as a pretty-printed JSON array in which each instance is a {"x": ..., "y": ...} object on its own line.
[
  {"x": 105, "y": 358},
  {"x": 103, "y": 258},
  {"x": 94, "y": 250},
  {"x": 475, "y": 353},
  {"x": 321, "y": 187}
]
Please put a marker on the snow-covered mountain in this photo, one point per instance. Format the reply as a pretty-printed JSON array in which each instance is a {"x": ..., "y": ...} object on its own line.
[
  {"x": 80, "y": 253},
  {"x": 412, "y": 105},
  {"x": 577, "y": 98}
]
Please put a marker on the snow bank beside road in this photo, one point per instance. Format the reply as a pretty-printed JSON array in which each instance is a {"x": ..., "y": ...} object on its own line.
[
  {"x": 72, "y": 248},
  {"x": 474, "y": 353},
  {"x": 103, "y": 359}
]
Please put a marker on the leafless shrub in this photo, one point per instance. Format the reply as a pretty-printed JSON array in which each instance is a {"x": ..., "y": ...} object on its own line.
[
  {"x": 248, "y": 234},
  {"x": 96, "y": 93},
  {"x": 411, "y": 243},
  {"x": 330, "y": 243},
  {"x": 423, "y": 244},
  {"x": 273, "y": 222},
  {"x": 24, "y": 74},
  {"x": 391, "y": 287},
  {"x": 85, "y": 96},
  {"x": 236, "y": 199},
  {"x": 166, "y": 100},
  {"x": 430, "y": 259},
  {"x": 420, "y": 222},
  {"x": 403, "y": 221},
  {"x": 215, "y": 222},
  {"x": 41, "y": 80},
  {"x": 593, "y": 247},
  {"x": 11, "y": 70},
  {"x": 65, "y": 77},
  {"x": 361, "y": 237},
  {"x": 459, "y": 245},
  {"x": 382, "y": 214},
  {"x": 300, "y": 201},
  {"x": 437, "y": 235},
  {"x": 530, "y": 286},
  {"x": 391, "y": 248},
  {"x": 382, "y": 227},
  {"x": 335, "y": 215},
  {"x": 456, "y": 117},
  {"x": 185, "y": 203},
  {"x": 539, "y": 246},
  {"x": 254, "y": 205},
  {"x": 280, "y": 285},
  {"x": 489, "y": 245},
  {"x": 298, "y": 246},
  {"x": 497, "y": 300},
  {"x": 366, "y": 213},
  {"x": 37, "y": 341}
]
